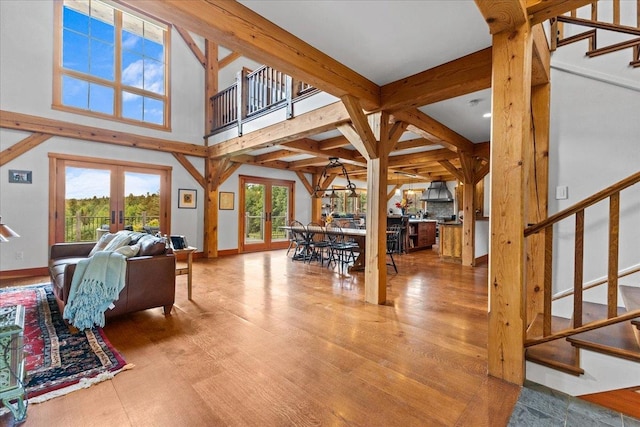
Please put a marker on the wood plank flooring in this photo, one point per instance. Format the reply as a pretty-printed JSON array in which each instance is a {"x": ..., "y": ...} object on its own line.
[{"x": 271, "y": 342}]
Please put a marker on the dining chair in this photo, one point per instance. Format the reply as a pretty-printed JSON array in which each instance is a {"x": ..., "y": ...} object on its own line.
[
  {"x": 341, "y": 250},
  {"x": 317, "y": 241},
  {"x": 393, "y": 243},
  {"x": 298, "y": 241}
]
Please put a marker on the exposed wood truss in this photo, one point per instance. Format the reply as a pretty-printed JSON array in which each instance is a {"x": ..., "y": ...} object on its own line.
[{"x": 25, "y": 122}]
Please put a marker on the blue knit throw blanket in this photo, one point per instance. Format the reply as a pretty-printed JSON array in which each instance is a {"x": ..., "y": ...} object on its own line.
[{"x": 96, "y": 283}]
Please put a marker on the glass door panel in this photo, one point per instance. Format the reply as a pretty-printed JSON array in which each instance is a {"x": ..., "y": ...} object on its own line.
[
  {"x": 280, "y": 202},
  {"x": 142, "y": 202},
  {"x": 266, "y": 205},
  {"x": 254, "y": 214},
  {"x": 87, "y": 201},
  {"x": 96, "y": 196}
]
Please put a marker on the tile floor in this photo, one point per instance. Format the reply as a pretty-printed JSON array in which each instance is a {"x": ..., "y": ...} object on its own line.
[{"x": 542, "y": 406}]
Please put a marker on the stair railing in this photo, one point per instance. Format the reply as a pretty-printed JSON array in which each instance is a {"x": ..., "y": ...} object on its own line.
[
  {"x": 595, "y": 22},
  {"x": 255, "y": 93},
  {"x": 613, "y": 194}
]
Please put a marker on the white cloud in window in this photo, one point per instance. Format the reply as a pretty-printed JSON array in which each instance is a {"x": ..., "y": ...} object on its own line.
[{"x": 152, "y": 75}]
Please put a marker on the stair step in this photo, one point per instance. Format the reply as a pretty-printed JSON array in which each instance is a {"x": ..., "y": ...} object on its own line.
[
  {"x": 615, "y": 340},
  {"x": 631, "y": 298},
  {"x": 626, "y": 400},
  {"x": 558, "y": 354}
]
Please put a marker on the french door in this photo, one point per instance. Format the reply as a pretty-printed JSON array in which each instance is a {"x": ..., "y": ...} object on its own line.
[
  {"x": 93, "y": 196},
  {"x": 265, "y": 206}
]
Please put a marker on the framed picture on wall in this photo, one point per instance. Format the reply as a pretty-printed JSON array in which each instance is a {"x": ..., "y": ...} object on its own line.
[
  {"x": 226, "y": 200},
  {"x": 186, "y": 198},
  {"x": 19, "y": 177}
]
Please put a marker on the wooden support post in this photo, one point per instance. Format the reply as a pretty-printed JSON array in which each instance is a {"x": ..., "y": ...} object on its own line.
[
  {"x": 211, "y": 83},
  {"x": 510, "y": 132},
  {"x": 537, "y": 191},
  {"x": 375, "y": 276},
  {"x": 468, "y": 224}
]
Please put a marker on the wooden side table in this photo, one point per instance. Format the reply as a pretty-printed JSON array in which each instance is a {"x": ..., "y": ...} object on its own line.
[
  {"x": 12, "y": 367},
  {"x": 188, "y": 251}
]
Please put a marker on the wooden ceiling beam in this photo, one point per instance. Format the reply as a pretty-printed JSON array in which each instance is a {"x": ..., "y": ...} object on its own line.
[
  {"x": 19, "y": 121},
  {"x": 503, "y": 15},
  {"x": 247, "y": 159},
  {"x": 413, "y": 143},
  {"x": 420, "y": 158},
  {"x": 425, "y": 126},
  {"x": 228, "y": 59},
  {"x": 191, "y": 44},
  {"x": 275, "y": 155},
  {"x": 240, "y": 29},
  {"x": 312, "y": 147},
  {"x": 541, "y": 10},
  {"x": 21, "y": 147},
  {"x": 320, "y": 120},
  {"x": 464, "y": 75},
  {"x": 363, "y": 139},
  {"x": 189, "y": 167},
  {"x": 452, "y": 169},
  {"x": 335, "y": 142}
]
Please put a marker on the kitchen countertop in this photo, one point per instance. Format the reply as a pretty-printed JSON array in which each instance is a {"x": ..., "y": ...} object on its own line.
[
  {"x": 422, "y": 220},
  {"x": 451, "y": 223}
]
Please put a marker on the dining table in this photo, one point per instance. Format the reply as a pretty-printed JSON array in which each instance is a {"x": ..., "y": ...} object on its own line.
[{"x": 357, "y": 234}]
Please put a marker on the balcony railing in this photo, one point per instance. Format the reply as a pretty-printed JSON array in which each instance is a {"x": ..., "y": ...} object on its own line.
[
  {"x": 253, "y": 94},
  {"x": 79, "y": 228}
]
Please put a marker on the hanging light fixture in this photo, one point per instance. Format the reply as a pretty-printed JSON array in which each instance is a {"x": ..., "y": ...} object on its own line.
[
  {"x": 321, "y": 192},
  {"x": 6, "y": 232}
]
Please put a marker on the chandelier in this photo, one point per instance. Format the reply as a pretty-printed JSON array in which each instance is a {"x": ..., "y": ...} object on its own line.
[{"x": 322, "y": 192}]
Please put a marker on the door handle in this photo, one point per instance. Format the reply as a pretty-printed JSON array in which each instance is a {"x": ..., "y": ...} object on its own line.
[
  {"x": 113, "y": 217},
  {"x": 120, "y": 217}
]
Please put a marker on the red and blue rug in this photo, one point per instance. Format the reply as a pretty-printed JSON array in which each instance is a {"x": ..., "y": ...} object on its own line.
[{"x": 59, "y": 360}]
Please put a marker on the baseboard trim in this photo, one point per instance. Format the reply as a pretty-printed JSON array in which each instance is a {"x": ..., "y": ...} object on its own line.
[
  {"x": 227, "y": 252},
  {"x": 27, "y": 272}
]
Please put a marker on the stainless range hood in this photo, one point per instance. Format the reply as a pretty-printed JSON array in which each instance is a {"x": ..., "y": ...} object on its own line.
[{"x": 437, "y": 192}]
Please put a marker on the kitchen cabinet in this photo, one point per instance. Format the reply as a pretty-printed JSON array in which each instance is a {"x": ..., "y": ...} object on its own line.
[{"x": 421, "y": 234}]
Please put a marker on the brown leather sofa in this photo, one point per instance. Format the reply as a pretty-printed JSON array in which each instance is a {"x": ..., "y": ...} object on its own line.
[{"x": 150, "y": 276}]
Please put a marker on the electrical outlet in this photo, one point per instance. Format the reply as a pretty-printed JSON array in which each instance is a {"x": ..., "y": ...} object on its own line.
[{"x": 19, "y": 256}]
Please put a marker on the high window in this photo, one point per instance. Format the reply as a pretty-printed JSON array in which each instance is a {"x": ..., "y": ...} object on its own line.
[{"x": 111, "y": 63}]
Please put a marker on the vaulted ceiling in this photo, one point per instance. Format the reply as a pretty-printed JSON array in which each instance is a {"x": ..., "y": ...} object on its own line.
[{"x": 426, "y": 63}]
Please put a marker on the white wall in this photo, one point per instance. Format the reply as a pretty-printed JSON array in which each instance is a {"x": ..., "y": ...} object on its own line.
[
  {"x": 26, "y": 75},
  {"x": 594, "y": 143}
]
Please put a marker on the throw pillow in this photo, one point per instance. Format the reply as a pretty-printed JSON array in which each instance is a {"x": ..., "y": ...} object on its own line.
[
  {"x": 102, "y": 243},
  {"x": 118, "y": 241},
  {"x": 151, "y": 246},
  {"x": 128, "y": 251}
]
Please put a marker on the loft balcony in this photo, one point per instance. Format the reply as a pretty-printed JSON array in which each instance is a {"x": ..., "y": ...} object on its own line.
[{"x": 255, "y": 94}]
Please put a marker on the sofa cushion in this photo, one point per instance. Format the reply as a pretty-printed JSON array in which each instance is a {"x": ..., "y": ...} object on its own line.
[
  {"x": 151, "y": 246},
  {"x": 128, "y": 251},
  {"x": 121, "y": 239},
  {"x": 102, "y": 243}
]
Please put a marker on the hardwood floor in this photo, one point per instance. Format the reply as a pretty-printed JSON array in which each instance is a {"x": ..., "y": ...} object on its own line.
[{"x": 267, "y": 341}]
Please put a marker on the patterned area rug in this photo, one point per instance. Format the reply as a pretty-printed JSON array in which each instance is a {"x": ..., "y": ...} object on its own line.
[{"x": 58, "y": 360}]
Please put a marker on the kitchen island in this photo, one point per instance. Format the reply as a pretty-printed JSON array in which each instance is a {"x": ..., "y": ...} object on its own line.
[
  {"x": 451, "y": 241},
  {"x": 421, "y": 234}
]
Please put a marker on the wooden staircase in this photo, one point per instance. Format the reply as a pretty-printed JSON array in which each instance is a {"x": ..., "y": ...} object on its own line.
[{"x": 558, "y": 342}]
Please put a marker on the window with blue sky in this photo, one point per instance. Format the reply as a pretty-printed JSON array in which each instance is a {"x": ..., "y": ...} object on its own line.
[{"x": 111, "y": 63}]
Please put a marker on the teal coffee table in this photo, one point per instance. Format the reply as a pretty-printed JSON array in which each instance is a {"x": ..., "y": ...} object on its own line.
[{"x": 12, "y": 361}]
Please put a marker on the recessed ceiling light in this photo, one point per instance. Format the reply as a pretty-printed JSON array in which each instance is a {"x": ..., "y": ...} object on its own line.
[{"x": 486, "y": 115}]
